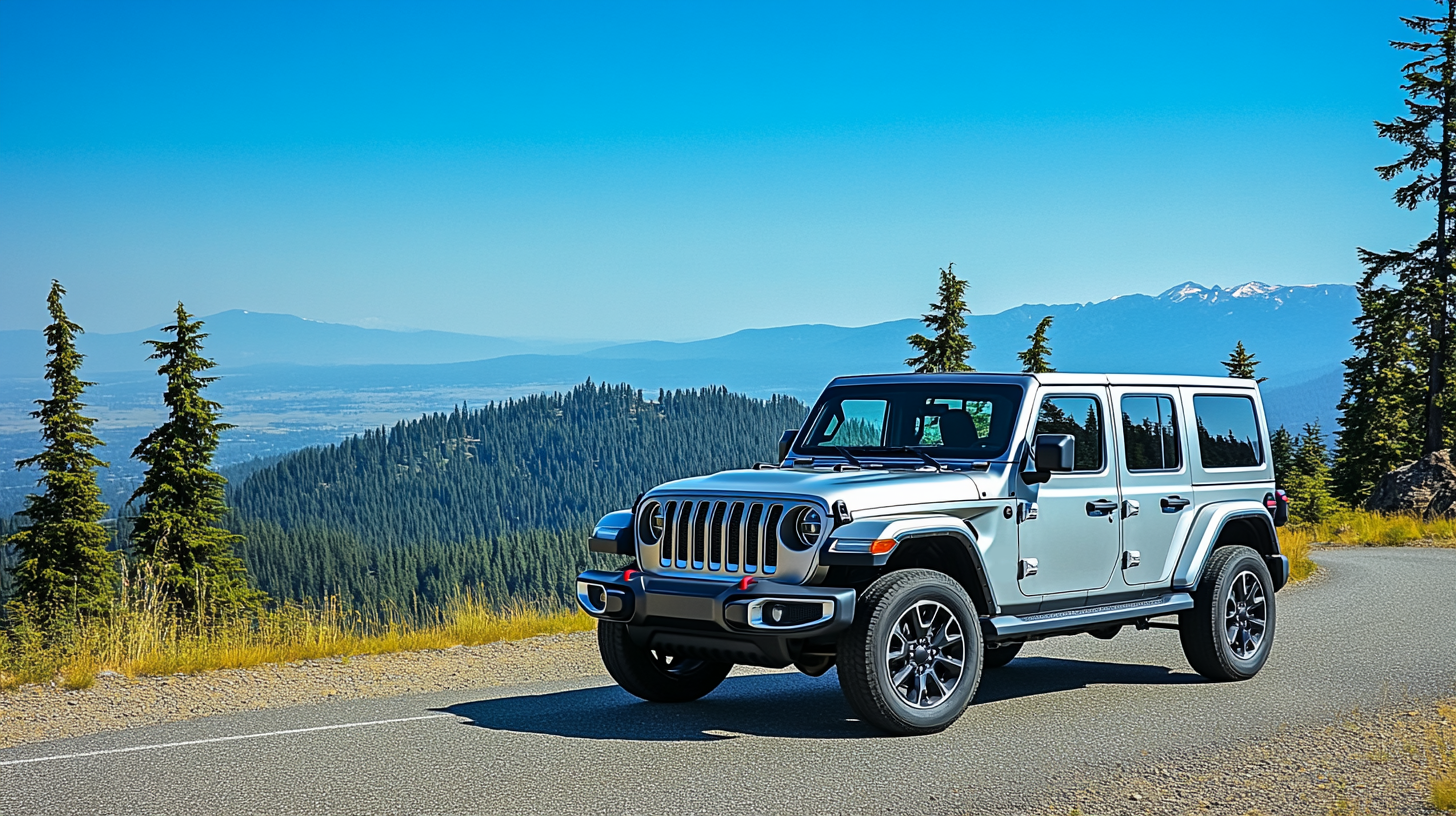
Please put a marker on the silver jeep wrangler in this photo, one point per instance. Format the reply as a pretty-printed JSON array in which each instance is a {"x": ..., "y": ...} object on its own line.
[{"x": 921, "y": 527}]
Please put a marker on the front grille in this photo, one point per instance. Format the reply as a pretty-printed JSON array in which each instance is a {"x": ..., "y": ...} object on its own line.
[{"x": 722, "y": 535}]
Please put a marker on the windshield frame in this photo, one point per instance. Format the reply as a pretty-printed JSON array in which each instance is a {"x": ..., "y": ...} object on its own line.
[{"x": 1009, "y": 393}]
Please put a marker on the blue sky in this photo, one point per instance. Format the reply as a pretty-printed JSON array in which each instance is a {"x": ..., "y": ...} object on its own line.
[{"x": 680, "y": 170}]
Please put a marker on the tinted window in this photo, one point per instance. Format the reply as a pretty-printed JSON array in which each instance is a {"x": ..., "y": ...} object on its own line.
[
  {"x": 1150, "y": 432},
  {"x": 950, "y": 420},
  {"x": 1082, "y": 418},
  {"x": 1228, "y": 434}
]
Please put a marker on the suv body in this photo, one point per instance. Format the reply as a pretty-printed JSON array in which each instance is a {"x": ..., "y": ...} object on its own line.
[{"x": 979, "y": 511}]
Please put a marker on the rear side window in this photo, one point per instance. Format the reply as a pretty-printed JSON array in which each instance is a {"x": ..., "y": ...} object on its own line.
[
  {"x": 1228, "y": 433},
  {"x": 1151, "y": 433},
  {"x": 1082, "y": 418}
]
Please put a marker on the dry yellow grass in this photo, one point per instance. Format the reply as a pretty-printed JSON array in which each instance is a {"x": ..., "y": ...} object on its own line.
[
  {"x": 1379, "y": 530},
  {"x": 1441, "y": 756},
  {"x": 140, "y": 639}
]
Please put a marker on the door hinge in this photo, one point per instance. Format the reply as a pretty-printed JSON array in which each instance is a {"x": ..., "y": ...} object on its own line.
[
  {"x": 1130, "y": 508},
  {"x": 1025, "y": 511},
  {"x": 1131, "y": 558}
]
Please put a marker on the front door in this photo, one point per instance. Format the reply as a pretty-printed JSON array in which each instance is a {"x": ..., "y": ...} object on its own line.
[
  {"x": 1157, "y": 492},
  {"x": 1073, "y": 542}
]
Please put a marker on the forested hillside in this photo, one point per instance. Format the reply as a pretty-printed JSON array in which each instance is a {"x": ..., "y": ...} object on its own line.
[{"x": 497, "y": 499}]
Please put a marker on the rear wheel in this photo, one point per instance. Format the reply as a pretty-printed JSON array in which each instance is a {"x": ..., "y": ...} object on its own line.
[
  {"x": 1229, "y": 631},
  {"x": 911, "y": 661},
  {"x": 652, "y": 675}
]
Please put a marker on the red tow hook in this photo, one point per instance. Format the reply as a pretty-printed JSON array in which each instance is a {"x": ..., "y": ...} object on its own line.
[
  {"x": 747, "y": 582},
  {"x": 628, "y": 573}
]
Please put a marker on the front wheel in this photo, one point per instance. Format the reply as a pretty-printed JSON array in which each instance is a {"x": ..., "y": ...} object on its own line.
[
  {"x": 651, "y": 675},
  {"x": 1229, "y": 631},
  {"x": 911, "y": 661}
]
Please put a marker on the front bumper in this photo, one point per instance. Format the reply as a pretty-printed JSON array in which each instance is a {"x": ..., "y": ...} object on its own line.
[{"x": 756, "y": 621}]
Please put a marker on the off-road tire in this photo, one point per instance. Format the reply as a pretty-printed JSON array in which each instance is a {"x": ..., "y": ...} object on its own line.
[
  {"x": 1000, "y": 656},
  {"x": 864, "y": 666},
  {"x": 1205, "y": 629},
  {"x": 660, "y": 679}
]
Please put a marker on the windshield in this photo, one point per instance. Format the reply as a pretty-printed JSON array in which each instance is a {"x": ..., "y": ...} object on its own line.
[{"x": 945, "y": 420}]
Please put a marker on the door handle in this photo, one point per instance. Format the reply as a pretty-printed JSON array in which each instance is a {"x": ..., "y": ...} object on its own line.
[
  {"x": 1173, "y": 504},
  {"x": 1101, "y": 507}
]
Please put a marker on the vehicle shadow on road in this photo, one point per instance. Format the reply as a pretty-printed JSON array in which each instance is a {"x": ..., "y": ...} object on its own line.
[
  {"x": 770, "y": 705},
  {"x": 1030, "y": 676}
]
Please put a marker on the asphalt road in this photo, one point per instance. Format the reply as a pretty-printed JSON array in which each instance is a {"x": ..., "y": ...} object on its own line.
[{"x": 1378, "y": 629}]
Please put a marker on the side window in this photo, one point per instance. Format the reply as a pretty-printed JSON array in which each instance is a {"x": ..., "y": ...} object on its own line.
[
  {"x": 1082, "y": 418},
  {"x": 862, "y": 424},
  {"x": 1228, "y": 433},
  {"x": 1150, "y": 432}
]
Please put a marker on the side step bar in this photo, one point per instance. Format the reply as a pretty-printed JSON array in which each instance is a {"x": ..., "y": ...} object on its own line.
[{"x": 1003, "y": 626}]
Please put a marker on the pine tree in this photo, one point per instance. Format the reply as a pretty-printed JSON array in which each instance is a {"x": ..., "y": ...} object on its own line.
[
  {"x": 1381, "y": 411},
  {"x": 1309, "y": 478},
  {"x": 948, "y": 350},
  {"x": 1428, "y": 131},
  {"x": 1034, "y": 359},
  {"x": 1241, "y": 364},
  {"x": 64, "y": 567},
  {"x": 1281, "y": 453},
  {"x": 176, "y": 534}
]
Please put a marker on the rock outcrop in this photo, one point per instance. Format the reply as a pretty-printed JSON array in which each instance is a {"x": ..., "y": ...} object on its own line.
[{"x": 1426, "y": 486}]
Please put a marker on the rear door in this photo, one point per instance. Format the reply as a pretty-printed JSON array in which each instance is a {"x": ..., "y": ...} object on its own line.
[
  {"x": 1074, "y": 538},
  {"x": 1157, "y": 489}
]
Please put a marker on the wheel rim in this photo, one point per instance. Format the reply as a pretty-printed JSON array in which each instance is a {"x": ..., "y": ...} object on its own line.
[
  {"x": 926, "y": 655},
  {"x": 1246, "y": 615},
  {"x": 675, "y": 666}
]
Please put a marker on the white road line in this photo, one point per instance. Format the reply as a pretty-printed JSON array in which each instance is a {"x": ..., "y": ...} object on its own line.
[{"x": 221, "y": 739}]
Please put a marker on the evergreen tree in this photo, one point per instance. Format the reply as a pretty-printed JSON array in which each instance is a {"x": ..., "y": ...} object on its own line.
[
  {"x": 1428, "y": 132},
  {"x": 176, "y": 534},
  {"x": 1281, "y": 453},
  {"x": 947, "y": 351},
  {"x": 63, "y": 565},
  {"x": 1309, "y": 479},
  {"x": 1241, "y": 364},
  {"x": 1034, "y": 359},
  {"x": 1381, "y": 411}
]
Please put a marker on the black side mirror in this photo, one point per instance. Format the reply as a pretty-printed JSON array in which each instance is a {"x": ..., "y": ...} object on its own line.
[
  {"x": 1052, "y": 453},
  {"x": 786, "y": 442}
]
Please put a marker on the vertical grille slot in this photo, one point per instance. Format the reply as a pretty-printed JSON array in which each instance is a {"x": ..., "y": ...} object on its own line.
[
  {"x": 700, "y": 533},
  {"x": 735, "y": 537},
  {"x": 715, "y": 546},
  {"x": 771, "y": 538},
  {"x": 669, "y": 514},
  {"x": 754, "y": 536},
  {"x": 684, "y": 531}
]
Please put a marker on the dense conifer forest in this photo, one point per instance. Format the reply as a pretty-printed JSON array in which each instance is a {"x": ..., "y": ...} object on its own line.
[{"x": 496, "y": 500}]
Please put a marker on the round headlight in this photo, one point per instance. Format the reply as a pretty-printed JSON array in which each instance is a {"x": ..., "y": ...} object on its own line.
[
  {"x": 802, "y": 527},
  {"x": 650, "y": 522}
]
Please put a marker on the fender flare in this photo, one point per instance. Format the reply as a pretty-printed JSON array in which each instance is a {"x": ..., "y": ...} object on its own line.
[
  {"x": 854, "y": 544},
  {"x": 1212, "y": 520}
]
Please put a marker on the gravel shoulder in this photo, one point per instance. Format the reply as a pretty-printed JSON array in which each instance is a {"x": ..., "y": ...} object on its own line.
[{"x": 37, "y": 713}]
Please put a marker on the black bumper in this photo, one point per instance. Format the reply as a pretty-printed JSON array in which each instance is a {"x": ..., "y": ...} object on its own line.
[{"x": 718, "y": 620}]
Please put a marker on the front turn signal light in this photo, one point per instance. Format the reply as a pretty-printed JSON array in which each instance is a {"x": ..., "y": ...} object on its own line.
[{"x": 882, "y": 546}]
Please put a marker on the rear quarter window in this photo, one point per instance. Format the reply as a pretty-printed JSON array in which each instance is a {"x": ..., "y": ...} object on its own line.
[{"x": 1228, "y": 432}]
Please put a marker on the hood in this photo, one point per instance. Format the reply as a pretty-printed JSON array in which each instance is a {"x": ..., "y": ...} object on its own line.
[{"x": 861, "y": 490}]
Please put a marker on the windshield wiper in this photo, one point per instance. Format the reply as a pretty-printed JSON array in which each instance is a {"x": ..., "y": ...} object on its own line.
[
  {"x": 848, "y": 457},
  {"x": 916, "y": 452}
]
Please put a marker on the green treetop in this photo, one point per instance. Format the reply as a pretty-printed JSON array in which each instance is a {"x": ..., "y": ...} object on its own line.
[
  {"x": 1428, "y": 134},
  {"x": 1308, "y": 481},
  {"x": 1034, "y": 359},
  {"x": 1281, "y": 453},
  {"x": 64, "y": 567},
  {"x": 176, "y": 534},
  {"x": 1241, "y": 364},
  {"x": 947, "y": 351}
]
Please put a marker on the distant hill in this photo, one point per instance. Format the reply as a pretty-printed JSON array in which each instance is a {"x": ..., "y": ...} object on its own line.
[
  {"x": 243, "y": 338},
  {"x": 287, "y": 382}
]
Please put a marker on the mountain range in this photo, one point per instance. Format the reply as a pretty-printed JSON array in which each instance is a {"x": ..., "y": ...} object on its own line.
[{"x": 287, "y": 382}]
